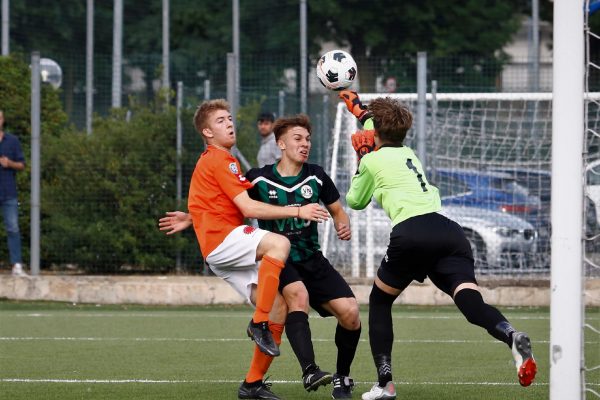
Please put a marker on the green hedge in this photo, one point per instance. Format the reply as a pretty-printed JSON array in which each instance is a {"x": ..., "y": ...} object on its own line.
[{"x": 102, "y": 194}]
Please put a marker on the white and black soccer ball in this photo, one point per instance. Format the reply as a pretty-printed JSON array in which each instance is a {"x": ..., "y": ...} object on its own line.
[{"x": 336, "y": 70}]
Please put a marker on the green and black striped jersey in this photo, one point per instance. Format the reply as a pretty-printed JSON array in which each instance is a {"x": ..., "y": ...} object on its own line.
[{"x": 310, "y": 186}]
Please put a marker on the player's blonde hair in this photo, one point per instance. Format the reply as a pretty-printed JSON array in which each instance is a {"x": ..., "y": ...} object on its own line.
[
  {"x": 205, "y": 109},
  {"x": 391, "y": 119}
]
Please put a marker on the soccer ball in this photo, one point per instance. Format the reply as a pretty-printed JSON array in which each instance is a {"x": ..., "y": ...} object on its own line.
[{"x": 336, "y": 70}]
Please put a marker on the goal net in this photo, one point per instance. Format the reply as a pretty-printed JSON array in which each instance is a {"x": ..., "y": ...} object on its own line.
[{"x": 489, "y": 154}]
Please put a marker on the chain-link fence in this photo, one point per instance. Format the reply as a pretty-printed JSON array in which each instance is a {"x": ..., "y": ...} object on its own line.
[{"x": 102, "y": 195}]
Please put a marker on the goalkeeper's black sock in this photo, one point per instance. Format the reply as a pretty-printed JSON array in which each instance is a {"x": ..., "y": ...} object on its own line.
[
  {"x": 477, "y": 312},
  {"x": 381, "y": 332}
]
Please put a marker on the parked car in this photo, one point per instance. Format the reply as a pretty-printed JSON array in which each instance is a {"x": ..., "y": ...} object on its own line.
[
  {"x": 496, "y": 191},
  {"x": 499, "y": 241},
  {"x": 539, "y": 183},
  {"x": 592, "y": 190}
]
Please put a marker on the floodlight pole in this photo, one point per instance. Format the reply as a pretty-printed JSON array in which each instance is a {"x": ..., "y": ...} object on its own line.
[
  {"x": 422, "y": 107},
  {"x": 117, "y": 53},
  {"x": 534, "y": 71},
  {"x": 89, "y": 68},
  {"x": 303, "y": 58},
  {"x": 34, "y": 263},
  {"x": 5, "y": 26},
  {"x": 235, "y": 59},
  {"x": 165, "y": 46}
]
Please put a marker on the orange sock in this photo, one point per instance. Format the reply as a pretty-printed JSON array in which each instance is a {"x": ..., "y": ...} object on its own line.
[
  {"x": 260, "y": 361},
  {"x": 268, "y": 284}
]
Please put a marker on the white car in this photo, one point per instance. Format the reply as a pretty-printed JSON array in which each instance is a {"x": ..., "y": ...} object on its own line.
[{"x": 500, "y": 242}]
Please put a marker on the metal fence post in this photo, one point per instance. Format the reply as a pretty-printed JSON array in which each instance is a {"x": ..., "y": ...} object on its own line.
[
  {"x": 422, "y": 107},
  {"x": 34, "y": 263}
]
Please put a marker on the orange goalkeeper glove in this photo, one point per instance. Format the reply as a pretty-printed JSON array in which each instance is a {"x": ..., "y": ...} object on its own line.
[
  {"x": 363, "y": 142},
  {"x": 354, "y": 105}
]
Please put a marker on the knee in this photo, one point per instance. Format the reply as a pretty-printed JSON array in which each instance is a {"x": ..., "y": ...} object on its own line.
[
  {"x": 296, "y": 299},
  {"x": 279, "y": 247},
  {"x": 12, "y": 225},
  {"x": 349, "y": 318}
]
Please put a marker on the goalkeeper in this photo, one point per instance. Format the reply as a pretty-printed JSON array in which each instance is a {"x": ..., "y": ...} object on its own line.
[{"x": 423, "y": 243}]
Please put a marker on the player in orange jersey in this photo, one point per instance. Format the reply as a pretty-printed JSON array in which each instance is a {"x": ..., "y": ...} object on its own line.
[{"x": 218, "y": 203}]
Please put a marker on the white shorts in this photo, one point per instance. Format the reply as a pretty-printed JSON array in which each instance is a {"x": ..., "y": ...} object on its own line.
[{"x": 234, "y": 259}]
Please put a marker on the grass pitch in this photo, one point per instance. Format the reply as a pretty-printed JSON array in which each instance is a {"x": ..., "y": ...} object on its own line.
[{"x": 65, "y": 351}]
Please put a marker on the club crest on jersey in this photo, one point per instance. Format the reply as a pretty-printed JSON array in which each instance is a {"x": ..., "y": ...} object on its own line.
[
  {"x": 233, "y": 168},
  {"x": 249, "y": 229},
  {"x": 306, "y": 191}
]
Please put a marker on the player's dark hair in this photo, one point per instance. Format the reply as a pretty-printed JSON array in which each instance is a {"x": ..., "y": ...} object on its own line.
[
  {"x": 282, "y": 125},
  {"x": 265, "y": 116},
  {"x": 205, "y": 109},
  {"x": 391, "y": 119}
]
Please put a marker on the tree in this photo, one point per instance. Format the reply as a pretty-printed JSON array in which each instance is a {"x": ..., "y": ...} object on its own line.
[
  {"x": 58, "y": 31},
  {"x": 387, "y": 29}
]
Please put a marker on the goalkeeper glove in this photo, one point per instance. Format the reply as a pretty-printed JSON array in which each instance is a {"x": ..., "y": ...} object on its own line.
[
  {"x": 363, "y": 142},
  {"x": 354, "y": 105}
]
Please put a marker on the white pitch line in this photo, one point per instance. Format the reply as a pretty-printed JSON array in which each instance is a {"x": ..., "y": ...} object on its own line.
[
  {"x": 238, "y": 315},
  {"x": 209, "y": 340},
  {"x": 236, "y": 381}
]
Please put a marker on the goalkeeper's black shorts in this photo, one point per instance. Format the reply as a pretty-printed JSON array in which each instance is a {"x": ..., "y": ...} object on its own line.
[{"x": 429, "y": 245}]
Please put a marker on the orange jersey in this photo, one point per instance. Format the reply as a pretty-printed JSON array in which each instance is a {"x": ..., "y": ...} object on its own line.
[{"x": 216, "y": 181}]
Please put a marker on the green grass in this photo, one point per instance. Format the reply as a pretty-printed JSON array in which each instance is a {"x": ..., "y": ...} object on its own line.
[{"x": 135, "y": 352}]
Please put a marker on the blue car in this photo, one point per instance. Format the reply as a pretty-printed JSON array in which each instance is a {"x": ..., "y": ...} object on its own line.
[{"x": 495, "y": 191}]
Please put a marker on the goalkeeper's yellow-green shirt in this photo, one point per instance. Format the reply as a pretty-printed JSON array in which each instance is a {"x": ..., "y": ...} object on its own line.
[{"x": 394, "y": 176}]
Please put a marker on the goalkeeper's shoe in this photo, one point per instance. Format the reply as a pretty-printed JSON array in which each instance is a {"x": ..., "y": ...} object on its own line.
[
  {"x": 260, "y": 333},
  {"x": 354, "y": 105},
  {"x": 313, "y": 377},
  {"x": 377, "y": 392},
  {"x": 256, "y": 390},
  {"x": 524, "y": 361}
]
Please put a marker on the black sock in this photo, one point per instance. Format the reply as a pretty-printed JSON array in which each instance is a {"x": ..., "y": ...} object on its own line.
[
  {"x": 383, "y": 363},
  {"x": 477, "y": 312},
  {"x": 298, "y": 333},
  {"x": 346, "y": 342},
  {"x": 381, "y": 332}
]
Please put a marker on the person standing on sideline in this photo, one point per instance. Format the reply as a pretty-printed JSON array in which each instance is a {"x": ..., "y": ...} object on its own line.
[
  {"x": 423, "y": 243},
  {"x": 11, "y": 161},
  {"x": 218, "y": 202},
  {"x": 268, "y": 153}
]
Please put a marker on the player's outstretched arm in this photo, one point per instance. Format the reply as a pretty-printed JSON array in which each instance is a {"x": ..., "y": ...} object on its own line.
[
  {"x": 256, "y": 209},
  {"x": 341, "y": 221},
  {"x": 174, "y": 221},
  {"x": 354, "y": 105}
]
